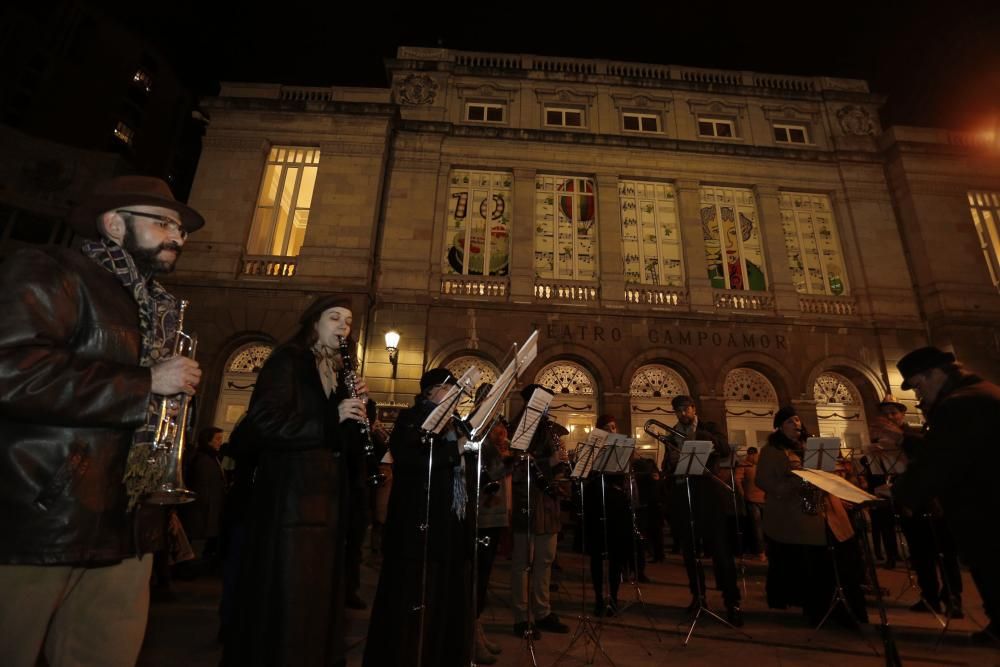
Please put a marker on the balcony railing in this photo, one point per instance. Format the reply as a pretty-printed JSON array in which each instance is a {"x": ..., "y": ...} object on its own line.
[
  {"x": 558, "y": 292},
  {"x": 742, "y": 300},
  {"x": 474, "y": 286},
  {"x": 816, "y": 304},
  {"x": 655, "y": 296},
  {"x": 268, "y": 266}
]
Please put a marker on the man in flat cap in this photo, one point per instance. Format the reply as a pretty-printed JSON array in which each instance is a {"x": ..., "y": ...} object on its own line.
[
  {"x": 85, "y": 357},
  {"x": 955, "y": 460}
]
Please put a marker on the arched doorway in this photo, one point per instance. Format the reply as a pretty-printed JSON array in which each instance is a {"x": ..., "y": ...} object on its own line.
[
  {"x": 840, "y": 409},
  {"x": 650, "y": 392},
  {"x": 238, "y": 380},
  {"x": 575, "y": 402},
  {"x": 751, "y": 402},
  {"x": 488, "y": 375}
]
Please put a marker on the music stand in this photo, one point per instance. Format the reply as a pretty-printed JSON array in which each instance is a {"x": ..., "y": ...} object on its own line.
[
  {"x": 730, "y": 463},
  {"x": 586, "y": 628},
  {"x": 692, "y": 463}
]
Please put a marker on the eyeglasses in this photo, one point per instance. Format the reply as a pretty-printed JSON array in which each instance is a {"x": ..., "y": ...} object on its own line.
[{"x": 162, "y": 221}]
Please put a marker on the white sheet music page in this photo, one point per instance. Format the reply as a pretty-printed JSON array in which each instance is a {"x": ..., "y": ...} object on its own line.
[
  {"x": 530, "y": 419},
  {"x": 588, "y": 452},
  {"x": 821, "y": 454},
  {"x": 615, "y": 454},
  {"x": 694, "y": 456},
  {"x": 440, "y": 415},
  {"x": 835, "y": 485}
]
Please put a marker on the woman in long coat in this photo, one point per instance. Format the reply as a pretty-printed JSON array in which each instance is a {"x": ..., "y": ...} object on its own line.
[{"x": 290, "y": 595}]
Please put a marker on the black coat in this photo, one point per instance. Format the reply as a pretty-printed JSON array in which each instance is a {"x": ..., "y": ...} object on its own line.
[
  {"x": 72, "y": 393},
  {"x": 394, "y": 631},
  {"x": 956, "y": 460},
  {"x": 290, "y": 596}
]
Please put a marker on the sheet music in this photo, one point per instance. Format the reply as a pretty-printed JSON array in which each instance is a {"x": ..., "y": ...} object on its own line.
[
  {"x": 616, "y": 452},
  {"x": 440, "y": 415},
  {"x": 505, "y": 382},
  {"x": 887, "y": 460},
  {"x": 821, "y": 454},
  {"x": 530, "y": 419},
  {"x": 835, "y": 485},
  {"x": 694, "y": 457},
  {"x": 588, "y": 453}
]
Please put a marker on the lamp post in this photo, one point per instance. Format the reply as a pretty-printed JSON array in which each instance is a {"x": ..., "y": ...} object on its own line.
[{"x": 392, "y": 347}]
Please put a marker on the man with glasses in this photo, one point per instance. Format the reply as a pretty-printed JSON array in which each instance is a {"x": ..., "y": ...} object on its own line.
[{"x": 85, "y": 357}]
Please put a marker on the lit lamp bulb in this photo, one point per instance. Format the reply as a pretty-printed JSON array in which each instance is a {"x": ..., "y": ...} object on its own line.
[{"x": 392, "y": 347}]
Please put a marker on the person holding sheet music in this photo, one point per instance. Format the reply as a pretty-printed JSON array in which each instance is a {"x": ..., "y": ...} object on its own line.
[
  {"x": 536, "y": 542},
  {"x": 394, "y": 629},
  {"x": 800, "y": 569},
  {"x": 709, "y": 499}
]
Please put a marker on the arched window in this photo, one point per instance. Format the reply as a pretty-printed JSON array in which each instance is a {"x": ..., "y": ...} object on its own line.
[
  {"x": 488, "y": 375},
  {"x": 575, "y": 403},
  {"x": 840, "y": 409},
  {"x": 650, "y": 392},
  {"x": 751, "y": 402},
  {"x": 238, "y": 380}
]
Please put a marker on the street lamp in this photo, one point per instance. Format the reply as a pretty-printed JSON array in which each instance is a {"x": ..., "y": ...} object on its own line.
[{"x": 392, "y": 347}]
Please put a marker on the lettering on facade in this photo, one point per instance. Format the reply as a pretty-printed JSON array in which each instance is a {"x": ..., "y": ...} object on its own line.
[{"x": 586, "y": 333}]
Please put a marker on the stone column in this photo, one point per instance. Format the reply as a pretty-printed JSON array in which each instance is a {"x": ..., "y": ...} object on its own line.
[
  {"x": 693, "y": 240},
  {"x": 779, "y": 277},
  {"x": 609, "y": 238},
  {"x": 522, "y": 241}
]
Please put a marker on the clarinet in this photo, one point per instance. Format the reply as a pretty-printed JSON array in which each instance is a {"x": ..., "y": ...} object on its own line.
[{"x": 350, "y": 378}]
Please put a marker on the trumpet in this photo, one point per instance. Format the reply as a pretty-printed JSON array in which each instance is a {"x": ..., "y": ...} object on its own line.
[
  {"x": 171, "y": 431},
  {"x": 664, "y": 435}
]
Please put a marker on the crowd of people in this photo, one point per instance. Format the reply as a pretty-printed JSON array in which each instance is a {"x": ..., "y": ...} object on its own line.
[{"x": 86, "y": 358}]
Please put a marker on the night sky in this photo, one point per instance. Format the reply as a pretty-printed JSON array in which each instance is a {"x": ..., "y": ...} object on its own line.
[{"x": 939, "y": 62}]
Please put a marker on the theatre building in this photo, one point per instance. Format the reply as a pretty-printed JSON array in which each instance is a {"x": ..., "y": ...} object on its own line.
[{"x": 752, "y": 240}]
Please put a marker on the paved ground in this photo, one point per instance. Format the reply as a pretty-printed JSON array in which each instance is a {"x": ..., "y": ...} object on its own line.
[{"x": 182, "y": 632}]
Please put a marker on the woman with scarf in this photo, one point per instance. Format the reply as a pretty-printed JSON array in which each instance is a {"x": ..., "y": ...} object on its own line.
[
  {"x": 401, "y": 610},
  {"x": 802, "y": 545},
  {"x": 290, "y": 454}
]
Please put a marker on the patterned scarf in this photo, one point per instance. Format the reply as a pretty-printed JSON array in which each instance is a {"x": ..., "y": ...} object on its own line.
[{"x": 158, "y": 314}]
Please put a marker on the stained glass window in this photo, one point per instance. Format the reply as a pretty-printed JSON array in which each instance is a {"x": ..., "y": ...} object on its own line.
[
  {"x": 659, "y": 382},
  {"x": 565, "y": 228},
  {"x": 812, "y": 244},
  {"x": 833, "y": 388},
  {"x": 733, "y": 248},
  {"x": 566, "y": 378},
  {"x": 479, "y": 215},
  {"x": 746, "y": 384},
  {"x": 651, "y": 248}
]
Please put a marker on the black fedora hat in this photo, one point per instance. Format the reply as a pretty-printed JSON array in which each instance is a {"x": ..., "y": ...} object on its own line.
[
  {"x": 124, "y": 191},
  {"x": 920, "y": 360}
]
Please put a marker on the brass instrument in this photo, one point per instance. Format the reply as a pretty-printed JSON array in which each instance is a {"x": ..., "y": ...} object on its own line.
[
  {"x": 171, "y": 430},
  {"x": 375, "y": 476},
  {"x": 664, "y": 436}
]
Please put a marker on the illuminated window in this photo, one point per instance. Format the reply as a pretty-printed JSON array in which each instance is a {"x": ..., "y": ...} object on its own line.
[
  {"x": 640, "y": 122},
  {"x": 565, "y": 228},
  {"x": 812, "y": 244},
  {"x": 716, "y": 127},
  {"x": 651, "y": 248},
  {"x": 286, "y": 193},
  {"x": 733, "y": 248},
  {"x": 791, "y": 134},
  {"x": 123, "y": 133},
  {"x": 479, "y": 215},
  {"x": 559, "y": 117},
  {"x": 482, "y": 112},
  {"x": 985, "y": 209},
  {"x": 143, "y": 79}
]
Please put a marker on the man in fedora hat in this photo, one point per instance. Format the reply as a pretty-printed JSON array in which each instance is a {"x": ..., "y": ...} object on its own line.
[
  {"x": 955, "y": 460},
  {"x": 85, "y": 355}
]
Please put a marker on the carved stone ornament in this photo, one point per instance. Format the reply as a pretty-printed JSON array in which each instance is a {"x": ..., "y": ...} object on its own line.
[
  {"x": 417, "y": 89},
  {"x": 856, "y": 121}
]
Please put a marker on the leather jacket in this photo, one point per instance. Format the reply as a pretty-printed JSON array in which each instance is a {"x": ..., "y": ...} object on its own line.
[{"x": 72, "y": 393}]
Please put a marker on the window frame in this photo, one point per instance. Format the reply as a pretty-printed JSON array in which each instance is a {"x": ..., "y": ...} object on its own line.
[
  {"x": 788, "y": 128},
  {"x": 277, "y": 157},
  {"x": 984, "y": 208},
  {"x": 486, "y": 107},
  {"x": 834, "y": 231},
  {"x": 640, "y": 116},
  {"x": 564, "y": 110},
  {"x": 715, "y": 122}
]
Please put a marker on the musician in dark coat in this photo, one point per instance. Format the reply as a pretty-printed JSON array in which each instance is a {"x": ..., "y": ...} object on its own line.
[
  {"x": 290, "y": 594},
  {"x": 394, "y": 633},
  {"x": 955, "y": 460}
]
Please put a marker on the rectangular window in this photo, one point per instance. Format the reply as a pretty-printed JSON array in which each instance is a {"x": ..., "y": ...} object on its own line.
[
  {"x": 812, "y": 244},
  {"x": 985, "y": 210},
  {"x": 123, "y": 133},
  {"x": 558, "y": 117},
  {"x": 286, "y": 192},
  {"x": 640, "y": 122},
  {"x": 565, "y": 228},
  {"x": 482, "y": 112},
  {"x": 479, "y": 215},
  {"x": 143, "y": 80},
  {"x": 733, "y": 247},
  {"x": 791, "y": 134},
  {"x": 651, "y": 248},
  {"x": 716, "y": 127}
]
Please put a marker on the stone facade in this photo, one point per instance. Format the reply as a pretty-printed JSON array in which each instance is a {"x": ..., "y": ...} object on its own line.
[{"x": 378, "y": 230}]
